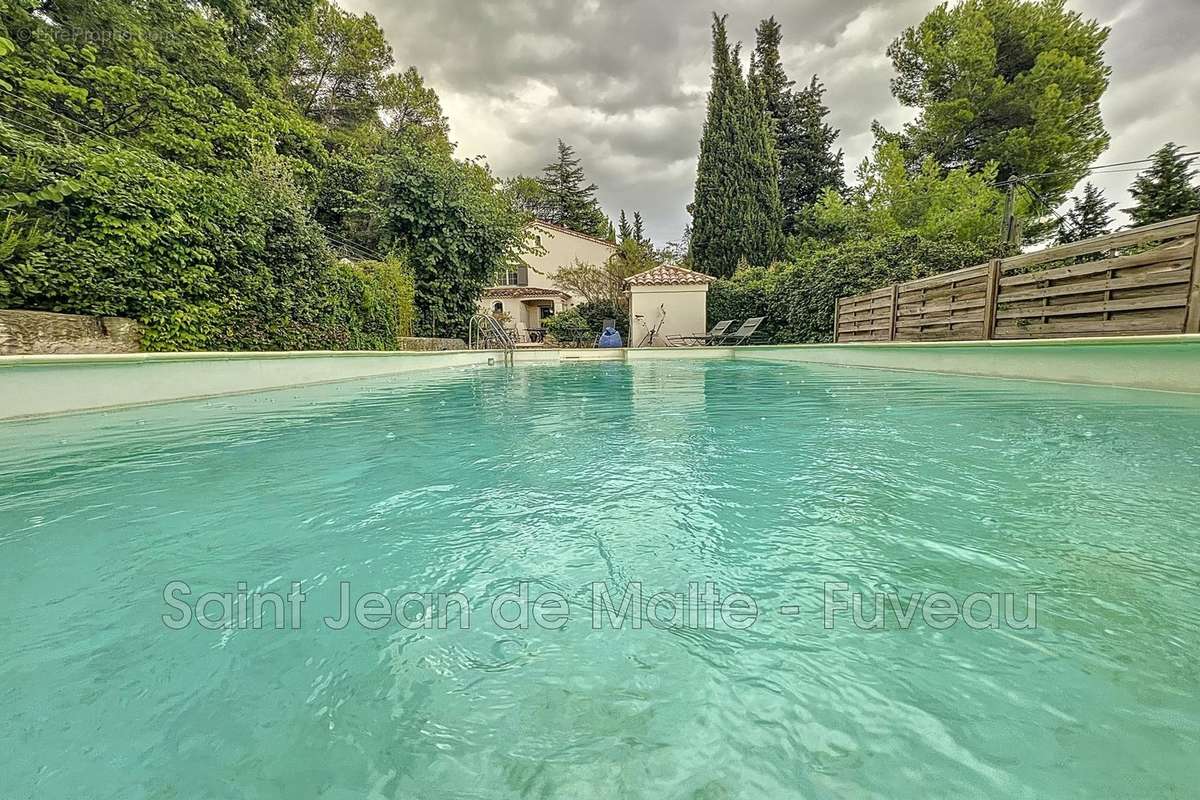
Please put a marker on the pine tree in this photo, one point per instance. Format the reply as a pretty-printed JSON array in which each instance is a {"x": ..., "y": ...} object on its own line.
[
  {"x": 571, "y": 202},
  {"x": 804, "y": 141},
  {"x": 736, "y": 211},
  {"x": 639, "y": 233},
  {"x": 1088, "y": 217},
  {"x": 623, "y": 229},
  {"x": 1165, "y": 190}
]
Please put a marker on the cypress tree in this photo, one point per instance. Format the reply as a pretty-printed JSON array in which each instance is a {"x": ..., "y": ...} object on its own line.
[
  {"x": 767, "y": 77},
  {"x": 736, "y": 213},
  {"x": 623, "y": 228},
  {"x": 1165, "y": 190},
  {"x": 1088, "y": 217}
]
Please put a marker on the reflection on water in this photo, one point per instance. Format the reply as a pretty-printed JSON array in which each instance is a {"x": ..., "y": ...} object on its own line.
[{"x": 767, "y": 479}]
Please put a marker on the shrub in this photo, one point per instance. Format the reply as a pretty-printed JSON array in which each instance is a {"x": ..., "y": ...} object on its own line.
[
  {"x": 569, "y": 327},
  {"x": 203, "y": 261},
  {"x": 594, "y": 315},
  {"x": 798, "y": 298}
]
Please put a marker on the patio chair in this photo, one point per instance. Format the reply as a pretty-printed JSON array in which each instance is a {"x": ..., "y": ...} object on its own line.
[
  {"x": 745, "y": 333},
  {"x": 522, "y": 336},
  {"x": 717, "y": 332}
]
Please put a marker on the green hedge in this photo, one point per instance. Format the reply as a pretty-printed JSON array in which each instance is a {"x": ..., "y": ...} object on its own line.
[
  {"x": 798, "y": 298},
  {"x": 204, "y": 261}
]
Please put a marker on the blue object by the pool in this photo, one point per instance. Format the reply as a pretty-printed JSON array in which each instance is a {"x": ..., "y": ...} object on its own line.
[{"x": 610, "y": 338}]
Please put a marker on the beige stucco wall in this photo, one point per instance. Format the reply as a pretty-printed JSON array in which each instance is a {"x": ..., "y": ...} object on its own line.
[
  {"x": 686, "y": 309},
  {"x": 519, "y": 310},
  {"x": 559, "y": 249},
  {"x": 562, "y": 250}
]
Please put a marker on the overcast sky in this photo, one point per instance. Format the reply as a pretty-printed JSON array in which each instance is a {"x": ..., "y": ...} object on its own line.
[{"x": 624, "y": 81}]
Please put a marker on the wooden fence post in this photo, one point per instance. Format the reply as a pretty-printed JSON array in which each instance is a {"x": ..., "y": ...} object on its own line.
[
  {"x": 991, "y": 299},
  {"x": 837, "y": 318},
  {"x": 895, "y": 312},
  {"x": 1191, "y": 318}
]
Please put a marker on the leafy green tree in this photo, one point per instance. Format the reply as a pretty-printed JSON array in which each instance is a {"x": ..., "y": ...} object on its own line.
[
  {"x": 406, "y": 102},
  {"x": 1165, "y": 189},
  {"x": 571, "y": 200},
  {"x": 610, "y": 232},
  {"x": 892, "y": 199},
  {"x": 1011, "y": 82},
  {"x": 453, "y": 226},
  {"x": 177, "y": 180},
  {"x": 736, "y": 212},
  {"x": 623, "y": 230},
  {"x": 529, "y": 196},
  {"x": 1088, "y": 217},
  {"x": 767, "y": 79},
  {"x": 342, "y": 58}
]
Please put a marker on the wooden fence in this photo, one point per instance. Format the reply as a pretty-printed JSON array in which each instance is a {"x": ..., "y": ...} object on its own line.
[{"x": 1139, "y": 281}]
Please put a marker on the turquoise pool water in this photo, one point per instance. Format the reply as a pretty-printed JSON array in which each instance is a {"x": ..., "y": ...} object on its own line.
[{"x": 770, "y": 480}]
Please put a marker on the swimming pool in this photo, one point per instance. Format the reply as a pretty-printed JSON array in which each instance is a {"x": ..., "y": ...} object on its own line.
[{"x": 771, "y": 482}]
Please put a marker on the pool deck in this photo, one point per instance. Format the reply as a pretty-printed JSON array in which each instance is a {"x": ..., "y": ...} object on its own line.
[{"x": 37, "y": 386}]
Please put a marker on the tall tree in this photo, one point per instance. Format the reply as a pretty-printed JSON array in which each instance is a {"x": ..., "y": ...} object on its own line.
[
  {"x": 1087, "y": 218},
  {"x": 625, "y": 232},
  {"x": 1015, "y": 82},
  {"x": 340, "y": 65},
  {"x": 572, "y": 201},
  {"x": 639, "y": 232},
  {"x": 1165, "y": 190},
  {"x": 810, "y": 166},
  {"x": 736, "y": 213},
  {"x": 767, "y": 78},
  {"x": 804, "y": 140},
  {"x": 528, "y": 196},
  {"x": 406, "y": 102}
]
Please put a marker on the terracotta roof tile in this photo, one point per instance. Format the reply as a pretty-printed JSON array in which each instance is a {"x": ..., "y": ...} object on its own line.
[
  {"x": 523, "y": 292},
  {"x": 668, "y": 275}
]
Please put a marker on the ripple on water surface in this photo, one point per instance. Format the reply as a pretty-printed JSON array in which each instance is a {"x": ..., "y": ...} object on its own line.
[{"x": 768, "y": 479}]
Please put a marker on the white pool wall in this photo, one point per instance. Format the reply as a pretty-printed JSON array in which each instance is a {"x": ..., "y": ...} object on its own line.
[{"x": 35, "y": 386}]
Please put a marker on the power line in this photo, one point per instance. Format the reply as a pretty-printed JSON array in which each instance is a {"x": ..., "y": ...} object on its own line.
[
  {"x": 25, "y": 126},
  {"x": 1037, "y": 196},
  {"x": 74, "y": 121},
  {"x": 360, "y": 250},
  {"x": 1106, "y": 166}
]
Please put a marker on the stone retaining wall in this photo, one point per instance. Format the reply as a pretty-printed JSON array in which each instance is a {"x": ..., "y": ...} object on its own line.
[
  {"x": 420, "y": 343},
  {"x": 41, "y": 332}
]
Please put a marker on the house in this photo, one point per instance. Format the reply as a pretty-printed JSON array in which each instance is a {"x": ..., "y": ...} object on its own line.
[{"x": 531, "y": 294}]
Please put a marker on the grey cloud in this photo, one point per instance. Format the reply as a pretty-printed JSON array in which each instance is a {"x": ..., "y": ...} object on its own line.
[{"x": 624, "y": 81}]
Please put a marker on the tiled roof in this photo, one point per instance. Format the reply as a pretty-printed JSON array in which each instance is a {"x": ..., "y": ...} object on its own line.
[
  {"x": 668, "y": 275},
  {"x": 561, "y": 229},
  {"x": 523, "y": 292}
]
